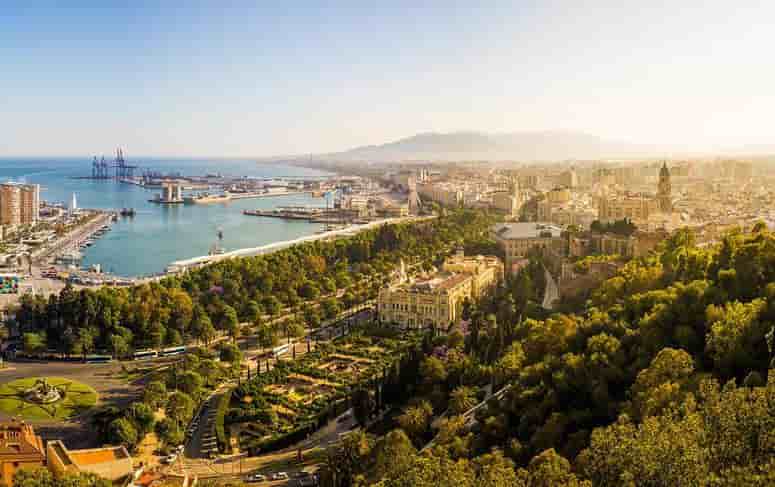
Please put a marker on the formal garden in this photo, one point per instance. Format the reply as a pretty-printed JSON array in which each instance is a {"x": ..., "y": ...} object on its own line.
[
  {"x": 288, "y": 403},
  {"x": 46, "y": 398}
]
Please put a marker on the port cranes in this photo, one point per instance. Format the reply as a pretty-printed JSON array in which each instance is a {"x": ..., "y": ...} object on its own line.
[
  {"x": 123, "y": 170},
  {"x": 100, "y": 169}
]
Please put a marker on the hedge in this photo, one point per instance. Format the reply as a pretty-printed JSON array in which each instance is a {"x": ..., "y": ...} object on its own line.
[
  {"x": 285, "y": 440},
  {"x": 220, "y": 430}
]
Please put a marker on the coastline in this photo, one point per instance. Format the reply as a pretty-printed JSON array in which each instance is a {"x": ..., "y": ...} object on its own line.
[{"x": 184, "y": 265}]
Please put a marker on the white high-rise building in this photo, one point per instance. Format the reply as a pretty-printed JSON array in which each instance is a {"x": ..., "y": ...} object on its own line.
[{"x": 73, "y": 204}]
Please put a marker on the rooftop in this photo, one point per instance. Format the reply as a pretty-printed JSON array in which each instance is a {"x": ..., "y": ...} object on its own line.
[
  {"x": 519, "y": 230},
  {"x": 98, "y": 455}
]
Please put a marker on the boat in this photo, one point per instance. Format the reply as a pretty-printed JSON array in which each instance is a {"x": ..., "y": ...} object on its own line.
[{"x": 127, "y": 212}]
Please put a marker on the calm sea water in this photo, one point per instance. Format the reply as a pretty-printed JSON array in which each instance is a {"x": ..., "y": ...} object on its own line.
[{"x": 159, "y": 234}]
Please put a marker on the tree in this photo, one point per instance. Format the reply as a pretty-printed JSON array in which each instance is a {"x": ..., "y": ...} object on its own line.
[
  {"x": 267, "y": 336},
  {"x": 143, "y": 418},
  {"x": 42, "y": 477},
  {"x": 190, "y": 382},
  {"x": 253, "y": 311},
  {"x": 550, "y": 469},
  {"x": 230, "y": 353},
  {"x": 210, "y": 371},
  {"x": 736, "y": 340},
  {"x": 119, "y": 346},
  {"x": 202, "y": 327},
  {"x": 509, "y": 365},
  {"x": 393, "y": 455},
  {"x": 416, "y": 420},
  {"x": 272, "y": 305},
  {"x": 34, "y": 342},
  {"x": 170, "y": 432},
  {"x": 180, "y": 407},
  {"x": 123, "y": 431},
  {"x": 309, "y": 290},
  {"x": 433, "y": 471},
  {"x": 663, "y": 384},
  {"x": 347, "y": 460},
  {"x": 230, "y": 322},
  {"x": 461, "y": 400},
  {"x": 331, "y": 308},
  {"x": 433, "y": 370},
  {"x": 495, "y": 470},
  {"x": 363, "y": 405},
  {"x": 155, "y": 394}
]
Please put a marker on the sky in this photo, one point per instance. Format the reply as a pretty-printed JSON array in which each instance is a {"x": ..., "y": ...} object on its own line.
[{"x": 250, "y": 79}]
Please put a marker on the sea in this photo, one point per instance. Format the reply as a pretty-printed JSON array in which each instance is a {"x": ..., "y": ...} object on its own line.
[{"x": 160, "y": 234}]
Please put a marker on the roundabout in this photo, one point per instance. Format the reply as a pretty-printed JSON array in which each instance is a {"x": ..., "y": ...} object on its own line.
[{"x": 46, "y": 398}]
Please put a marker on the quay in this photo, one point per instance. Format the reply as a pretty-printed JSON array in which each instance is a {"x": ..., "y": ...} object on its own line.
[
  {"x": 311, "y": 214},
  {"x": 72, "y": 240},
  {"x": 184, "y": 265}
]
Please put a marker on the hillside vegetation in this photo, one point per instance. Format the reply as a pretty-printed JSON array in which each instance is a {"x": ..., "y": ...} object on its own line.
[{"x": 663, "y": 378}]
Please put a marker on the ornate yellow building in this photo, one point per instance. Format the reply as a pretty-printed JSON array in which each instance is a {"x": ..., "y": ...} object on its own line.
[{"x": 437, "y": 300}]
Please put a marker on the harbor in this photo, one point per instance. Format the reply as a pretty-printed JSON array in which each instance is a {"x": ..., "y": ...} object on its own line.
[{"x": 159, "y": 216}]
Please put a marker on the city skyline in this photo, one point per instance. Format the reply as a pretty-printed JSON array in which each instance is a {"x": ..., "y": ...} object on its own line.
[{"x": 249, "y": 81}]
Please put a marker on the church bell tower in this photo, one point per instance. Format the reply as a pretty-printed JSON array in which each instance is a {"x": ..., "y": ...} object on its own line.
[{"x": 664, "y": 189}]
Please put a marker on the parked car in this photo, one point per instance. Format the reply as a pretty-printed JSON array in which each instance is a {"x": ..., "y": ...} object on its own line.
[
  {"x": 256, "y": 477},
  {"x": 170, "y": 458},
  {"x": 279, "y": 476}
]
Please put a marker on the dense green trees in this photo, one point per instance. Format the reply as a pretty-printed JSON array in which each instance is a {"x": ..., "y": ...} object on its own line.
[
  {"x": 42, "y": 477},
  {"x": 199, "y": 304},
  {"x": 625, "y": 390}
]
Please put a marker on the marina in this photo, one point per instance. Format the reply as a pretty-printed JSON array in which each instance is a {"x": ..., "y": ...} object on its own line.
[{"x": 149, "y": 236}]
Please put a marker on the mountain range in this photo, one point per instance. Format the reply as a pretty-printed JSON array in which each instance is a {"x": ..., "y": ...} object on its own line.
[{"x": 523, "y": 146}]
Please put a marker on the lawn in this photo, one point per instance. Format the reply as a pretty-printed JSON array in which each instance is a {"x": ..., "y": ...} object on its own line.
[{"x": 78, "y": 398}]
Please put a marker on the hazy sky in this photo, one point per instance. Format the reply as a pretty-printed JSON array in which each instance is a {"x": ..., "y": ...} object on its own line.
[{"x": 199, "y": 78}]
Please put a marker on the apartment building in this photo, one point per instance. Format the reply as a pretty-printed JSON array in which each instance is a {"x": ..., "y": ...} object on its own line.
[{"x": 19, "y": 203}]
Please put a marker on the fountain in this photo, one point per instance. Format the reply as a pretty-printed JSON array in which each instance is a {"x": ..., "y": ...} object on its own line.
[{"x": 43, "y": 393}]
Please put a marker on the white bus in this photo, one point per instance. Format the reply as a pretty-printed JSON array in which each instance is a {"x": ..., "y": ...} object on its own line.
[
  {"x": 281, "y": 350},
  {"x": 166, "y": 352},
  {"x": 145, "y": 354}
]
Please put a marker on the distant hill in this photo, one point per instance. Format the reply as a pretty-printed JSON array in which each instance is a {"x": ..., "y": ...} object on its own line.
[{"x": 523, "y": 146}]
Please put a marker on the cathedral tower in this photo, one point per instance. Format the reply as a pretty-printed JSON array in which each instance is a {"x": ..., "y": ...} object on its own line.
[{"x": 664, "y": 190}]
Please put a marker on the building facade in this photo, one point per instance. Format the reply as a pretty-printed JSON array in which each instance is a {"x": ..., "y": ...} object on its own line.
[
  {"x": 436, "y": 301},
  {"x": 19, "y": 203},
  {"x": 20, "y": 447},
  {"x": 637, "y": 208},
  {"x": 516, "y": 240},
  {"x": 113, "y": 463}
]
